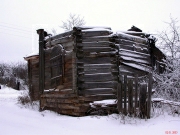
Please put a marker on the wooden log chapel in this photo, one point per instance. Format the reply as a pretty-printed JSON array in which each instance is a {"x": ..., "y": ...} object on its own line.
[{"x": 75, "y": 69}]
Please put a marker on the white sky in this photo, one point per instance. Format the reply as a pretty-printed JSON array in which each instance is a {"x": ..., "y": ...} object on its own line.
[{"x": 19, "y": 19}]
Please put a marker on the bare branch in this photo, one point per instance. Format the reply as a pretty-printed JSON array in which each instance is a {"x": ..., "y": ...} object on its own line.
[{"x": 74, "y": 20}]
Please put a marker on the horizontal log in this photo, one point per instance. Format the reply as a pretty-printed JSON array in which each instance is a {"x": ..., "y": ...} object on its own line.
[
  {"x": 132, "y": 38},
  {"x": 134, "y": 48},
  {"x": 99, "y": 60},
  {"x": 130, "y": 71},
  {"x": 65, "y": 34},
  {"x": 134, "y": 33},
  {"x": 128, "y": 42},
  {"x": 96, "y": 44},
  {"x": 94, "y": 39},
  {"x": 91, "y": 85},
  {"x": 48, "y": 95},
  {"x": 95, "y": 49},
  {"x": 60, "y": 41},
  {"x": 96, "y": 91},
  {"x": 135, "y": 60},
  {"x": 98, "y": 70},
  {"x": 96, "y": 54},
  {"x": 100, "y": 77},
  {"x": 91, "y": 33},
  {"x": 96, "y": 66},
  {"x": 139, "y": 66},
  {"x": 88, "y": 27},
  {"x": 134, "y": 54},
  {"x": 90, "y": 98}
]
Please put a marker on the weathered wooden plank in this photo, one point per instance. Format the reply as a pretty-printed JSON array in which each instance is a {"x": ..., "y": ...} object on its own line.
[
  {"x": 125, "y": 94},
  {"x": 119, "y": 97},
  {"x": 149, "y": 96},
  {"x": 142, "y": 100},
  {"x": 96, "y": 44},
  {"x": 62, "y": 40},
  {"x": 65, "y": 34},
  {"x": 100, "y": 60},
  {"x": 142, "y": 67},
  {"x": 131, "y": 59},
  {"x": 88, "y": 33},
  {"x": 134, "y": 33},
  {"x": 96, "y": 66},
  {"x": 134, "y": 48},
  {"x": 130, "y": 70},
  {"x": 136, "y": 94},
  {"x": 93, "y": 39},
  {"x": 128, "y": 42},
  {"x": 88, "y": 27},
  {"x": 98, "y": 70},
  {"x": 100, "y": 77},
  {"x": 132, "y": 38},
  {"x": 58, "y": 95},
  {"x": 89, "y": 98},
  {"x": 96, "y": 54},
  {"x": 95, "y": 49},
  {"x": 130, "y": 96},
  {"x": 134, "y": 54},
  {"x": 96, "y": 91},
  {"x": 91, "y": 85}
]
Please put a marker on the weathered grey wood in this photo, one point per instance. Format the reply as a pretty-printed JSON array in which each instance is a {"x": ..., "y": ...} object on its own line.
[
  {"x": 65, "y": 34},
  {"x": 119, "y": 97},
  {"x": 141, "y": 67},
  {"x": 86, "y": 33},
  {"x": 96, "y": 91},
  {"x": 96, "y": 44},
  {"x": 98, "y": 70},
  {"x": 96, "y": 66},
  {"x": 132, "y": 38},
  {"x": 100, "y": 77},
  {"x": 98, "y": 60},
  {"x": 134, "y": 33},
  {"x": 128, "y": 42},
  {"x": 41, "y": 32},
  {"x": 130, "y": 70},
  {"x": 130, "y": 59},
  {"x": 130, "y": 96},
  {"x": 91, "y": 85},
  {"x": 96, "y": 54},
  {"x": 142, "y": 100},
  {"x": 136, "y": 93},
  {"x": 134, "y": 54},
  {"x": 93, "y": 39},
  {"x": 88, "y": 27},
  {"x": 125, "y": 94},
  {"x": 149, "y": 96},
  {"x": 134, "y": 48},
  {"x": 95, "y": 49}
]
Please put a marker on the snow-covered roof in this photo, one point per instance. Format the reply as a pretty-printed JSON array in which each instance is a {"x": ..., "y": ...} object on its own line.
[{"x": 31, "y": 56}]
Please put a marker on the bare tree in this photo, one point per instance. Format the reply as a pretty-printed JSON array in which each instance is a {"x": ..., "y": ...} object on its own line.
[
  {"x": 169, "y": 39},
  {"x": 2, "y": 69},
  {"x": 74, "y": 20},
  {"x": 167, "y": 84}
]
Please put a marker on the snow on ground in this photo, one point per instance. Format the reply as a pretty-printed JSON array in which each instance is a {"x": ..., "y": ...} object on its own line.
[{"x": 18, "y": 120}]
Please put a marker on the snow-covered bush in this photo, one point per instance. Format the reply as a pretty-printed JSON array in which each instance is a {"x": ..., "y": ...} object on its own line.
[{"x": 167, "y": 84}]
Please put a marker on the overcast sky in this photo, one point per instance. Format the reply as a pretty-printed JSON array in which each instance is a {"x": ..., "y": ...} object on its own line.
[{"x": 19, "y": 19}]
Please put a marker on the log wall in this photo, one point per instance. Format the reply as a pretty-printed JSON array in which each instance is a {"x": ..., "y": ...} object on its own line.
[
  {"x": 90, "y": 64},
  {"x": 33, "y": 75}
]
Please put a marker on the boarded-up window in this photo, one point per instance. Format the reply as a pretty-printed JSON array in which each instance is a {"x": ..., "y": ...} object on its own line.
[{"x": 57, "y": 65}]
